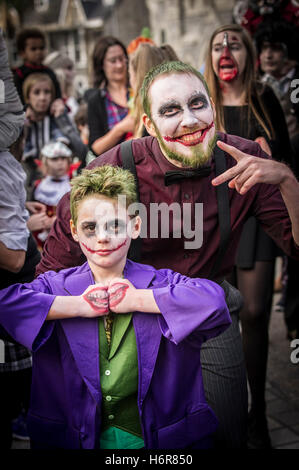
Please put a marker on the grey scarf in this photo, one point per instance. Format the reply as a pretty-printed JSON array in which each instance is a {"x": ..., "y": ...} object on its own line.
[{"x": 11, "y": 109}]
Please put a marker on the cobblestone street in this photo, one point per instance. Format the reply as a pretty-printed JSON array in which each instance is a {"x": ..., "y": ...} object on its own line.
[{"x": 282, "y": 388}]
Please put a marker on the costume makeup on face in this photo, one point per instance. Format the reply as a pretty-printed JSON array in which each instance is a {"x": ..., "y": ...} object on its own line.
[
  {"x": 228, "y": 69},
  {"x": 103, "y": 231},
  {"x": 183, "y": 118},
  {"x": 228, "y": 56}
]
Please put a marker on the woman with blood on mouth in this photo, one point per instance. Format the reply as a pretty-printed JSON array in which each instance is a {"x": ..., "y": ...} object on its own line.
[
  {"x": 116, "y": 344},
  {"x": 248, "y": 109}
]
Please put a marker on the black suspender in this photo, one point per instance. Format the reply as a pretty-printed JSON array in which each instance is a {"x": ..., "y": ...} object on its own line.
[
  {"x": 223, "y": 211},
  {"x": 128, "y": 163}
]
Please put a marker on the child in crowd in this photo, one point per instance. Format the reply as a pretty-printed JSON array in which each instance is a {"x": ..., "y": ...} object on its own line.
[
  {"x": 39, "y": 92},
  {"x": 56, "y": 160},
  {"x": 116, "y": 344},
  {"x": 43, "y": 127},
  {"x": 31, "y": 46}
]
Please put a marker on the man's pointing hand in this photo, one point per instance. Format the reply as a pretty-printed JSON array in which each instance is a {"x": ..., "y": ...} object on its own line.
[{"x": 250, "y": 170}]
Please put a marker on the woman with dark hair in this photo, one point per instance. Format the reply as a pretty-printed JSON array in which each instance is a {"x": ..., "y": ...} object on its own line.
[
  {"x": 108, "y": 118},
  {"x": 248, "y": 109}
]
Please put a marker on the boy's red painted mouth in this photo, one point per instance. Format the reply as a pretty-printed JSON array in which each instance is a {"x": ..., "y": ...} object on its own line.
[
  {"x": 104, "y": 252},
  {"x": 190, "y": 139}
]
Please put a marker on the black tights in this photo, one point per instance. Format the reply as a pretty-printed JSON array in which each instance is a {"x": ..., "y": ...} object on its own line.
[{"x": 256, "y": 286}]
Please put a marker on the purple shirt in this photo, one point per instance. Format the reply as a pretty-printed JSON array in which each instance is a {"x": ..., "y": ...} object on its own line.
[
  {"x": 263, "y": 200},
  {"x": 65, "y": 407}
]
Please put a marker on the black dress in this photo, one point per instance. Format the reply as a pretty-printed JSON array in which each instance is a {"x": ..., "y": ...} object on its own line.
[{"x": 255, "y": 244}]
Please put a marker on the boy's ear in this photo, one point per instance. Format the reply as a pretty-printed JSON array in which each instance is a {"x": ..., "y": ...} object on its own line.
[
  {"x": 135, "y": 227},
  {"x": 74, "y": 231},
  {"x": 148, "y": 124}
]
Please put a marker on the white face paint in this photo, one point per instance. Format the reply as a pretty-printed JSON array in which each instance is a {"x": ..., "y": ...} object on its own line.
[
  {"x": 183, "y": 118},
  {"x": 103, "y": 231}
]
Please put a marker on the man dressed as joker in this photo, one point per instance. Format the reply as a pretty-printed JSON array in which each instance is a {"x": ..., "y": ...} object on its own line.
[{"x": 179, "y": 162}]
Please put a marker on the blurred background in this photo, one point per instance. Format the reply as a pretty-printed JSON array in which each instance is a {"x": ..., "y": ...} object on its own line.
[{"x": 72, "y": 26}]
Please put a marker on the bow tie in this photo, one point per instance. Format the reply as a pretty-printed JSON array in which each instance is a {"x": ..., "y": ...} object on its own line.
[
  {"x": 56, "y": 180},
  {"x": 172, "y": 177}
]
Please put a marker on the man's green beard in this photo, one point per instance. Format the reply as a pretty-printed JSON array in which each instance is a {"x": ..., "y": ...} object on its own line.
[{"x": 199, "y": 158}]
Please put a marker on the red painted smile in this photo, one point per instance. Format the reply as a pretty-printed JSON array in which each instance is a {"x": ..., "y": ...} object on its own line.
[
  {"x": 117, "y": 293},
  {"x": 194, "y": 138},
  {"x": 97, "y": 298},
  {"x": 104, "y": 252},
  {"x": 227, "y": 68}
]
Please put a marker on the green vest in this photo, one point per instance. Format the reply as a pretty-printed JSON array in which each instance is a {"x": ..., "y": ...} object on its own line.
[{"x": 119, "y": 376}]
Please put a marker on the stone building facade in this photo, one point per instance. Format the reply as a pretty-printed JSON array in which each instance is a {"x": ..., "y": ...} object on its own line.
[
  {"x": 188, "y": 24},
  {"x": 73, "y": 26}
]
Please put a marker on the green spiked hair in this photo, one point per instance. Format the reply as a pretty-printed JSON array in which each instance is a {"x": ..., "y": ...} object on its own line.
[
  {"x": 166, "y": 68},
  {"x": 107, "y": 180}
]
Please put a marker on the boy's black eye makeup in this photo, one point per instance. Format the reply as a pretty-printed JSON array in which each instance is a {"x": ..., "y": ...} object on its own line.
[
  {"x": 116, "y": 226},
  {"x": 89, "y": 228},
  {"x": 112, "y": 227}
]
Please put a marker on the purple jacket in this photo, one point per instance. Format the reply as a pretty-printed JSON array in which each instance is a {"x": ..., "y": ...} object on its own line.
[{"x": 65, "y": 409}]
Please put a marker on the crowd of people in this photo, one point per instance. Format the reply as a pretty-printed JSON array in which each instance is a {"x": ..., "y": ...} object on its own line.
[{"x": 115, "y": 338}]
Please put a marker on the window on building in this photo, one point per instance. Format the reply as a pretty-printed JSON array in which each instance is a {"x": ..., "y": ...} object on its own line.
[
  {"x": 77, "y": 47},
  {"x": 41, "y": 5},
  {"x": 68, "y": 43}
]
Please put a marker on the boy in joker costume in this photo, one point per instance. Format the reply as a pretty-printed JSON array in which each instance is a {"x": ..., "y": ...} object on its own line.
[{"x": 116, "y": 344}]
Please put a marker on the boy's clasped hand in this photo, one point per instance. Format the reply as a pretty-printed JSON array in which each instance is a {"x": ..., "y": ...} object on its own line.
[{"x": 116, "y": 296}]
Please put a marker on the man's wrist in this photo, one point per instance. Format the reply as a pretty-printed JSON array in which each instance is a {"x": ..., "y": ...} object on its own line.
[{"x": 288, "y": 177}]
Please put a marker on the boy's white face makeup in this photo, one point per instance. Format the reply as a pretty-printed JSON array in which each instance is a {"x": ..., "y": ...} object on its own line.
[
  {"x": 104, "y": 231},
  {"x": 40, "y": 97},
  {"x": 182, "y": 118}
]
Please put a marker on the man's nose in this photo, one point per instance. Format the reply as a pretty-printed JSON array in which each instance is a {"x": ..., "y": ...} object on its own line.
[{"x": 189, "y": 119}]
